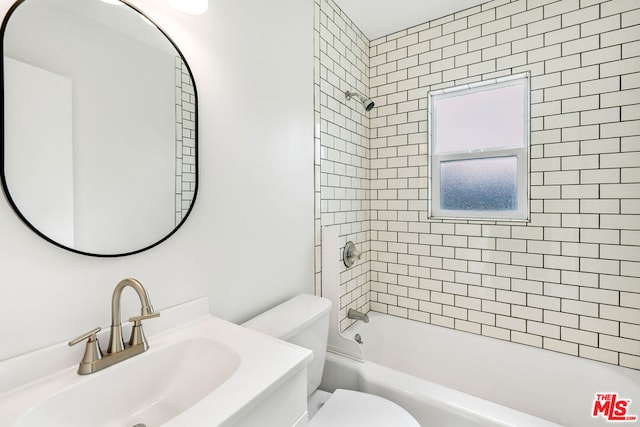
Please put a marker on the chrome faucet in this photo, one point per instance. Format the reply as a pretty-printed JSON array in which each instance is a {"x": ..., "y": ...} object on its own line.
[
  {"x": 93, "y": 359},
  {"x": 357, "y": 315}
]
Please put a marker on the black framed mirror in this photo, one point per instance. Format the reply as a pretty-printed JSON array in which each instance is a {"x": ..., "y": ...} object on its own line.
[{"x": 99, "y": 131}]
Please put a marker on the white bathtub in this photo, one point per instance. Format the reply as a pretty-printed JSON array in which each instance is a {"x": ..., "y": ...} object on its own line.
[{"x": 450, "y": 378}]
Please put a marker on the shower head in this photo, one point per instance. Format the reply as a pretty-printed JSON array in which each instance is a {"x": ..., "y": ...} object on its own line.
[{"x": 366, "y": 102}]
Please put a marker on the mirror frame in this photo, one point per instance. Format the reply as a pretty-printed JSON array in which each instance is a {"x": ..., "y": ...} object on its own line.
[{"x": 5, "y": 188}]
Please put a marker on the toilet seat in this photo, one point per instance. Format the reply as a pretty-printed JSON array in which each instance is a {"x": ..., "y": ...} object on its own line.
[{"x": 356, "y": 409}]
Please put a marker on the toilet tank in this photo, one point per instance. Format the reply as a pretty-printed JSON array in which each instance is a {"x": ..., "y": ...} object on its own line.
[{"x": 303, "y": 320}]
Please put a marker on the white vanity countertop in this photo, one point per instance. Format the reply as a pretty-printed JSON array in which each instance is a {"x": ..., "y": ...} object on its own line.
[
  {"x": 265, "y": 364},
  {"x": 29, "y": 367}
]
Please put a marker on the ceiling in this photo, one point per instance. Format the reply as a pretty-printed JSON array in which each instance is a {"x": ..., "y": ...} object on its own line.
[{"x": 377, "y": 18}]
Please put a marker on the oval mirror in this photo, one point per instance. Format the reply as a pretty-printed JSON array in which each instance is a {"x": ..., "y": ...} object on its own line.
[{"x": 99, "y": 138}]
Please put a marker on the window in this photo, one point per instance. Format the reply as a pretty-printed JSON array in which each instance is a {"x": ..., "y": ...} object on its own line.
[{"x": 479, "y": 150}]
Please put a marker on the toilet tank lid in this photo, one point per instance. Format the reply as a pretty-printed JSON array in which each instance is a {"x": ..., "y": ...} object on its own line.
[{"x": 289, "y": 318}]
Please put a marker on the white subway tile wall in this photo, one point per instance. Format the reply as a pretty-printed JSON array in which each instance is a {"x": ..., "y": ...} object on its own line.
[
  {"x": 567, "y": 281},
  {"x": 342, "y": 147}
]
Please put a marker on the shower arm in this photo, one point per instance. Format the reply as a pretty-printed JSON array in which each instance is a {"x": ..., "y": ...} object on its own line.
[
  {"x": 367, "y": 103},
  {"x": 350, "y": 94}
]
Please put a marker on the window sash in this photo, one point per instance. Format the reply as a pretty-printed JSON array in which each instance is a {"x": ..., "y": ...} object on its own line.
[
  {"x": 520, "y": 152},
  {"x": 522, "y": 211}
]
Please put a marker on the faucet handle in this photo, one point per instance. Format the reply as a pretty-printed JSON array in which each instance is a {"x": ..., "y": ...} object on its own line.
[
  {"x": 137, "y": 319},
  {"x": 91, "y": 336},
  {"x": 92, "y": 351},
  {"x": 137, "y": 334}
]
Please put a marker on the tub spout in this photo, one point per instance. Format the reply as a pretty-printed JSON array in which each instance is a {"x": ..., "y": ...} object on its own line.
[{"x": 357, "y": 315}]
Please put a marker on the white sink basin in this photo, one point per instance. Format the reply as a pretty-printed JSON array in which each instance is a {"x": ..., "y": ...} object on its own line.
[
  {"x": 208, "y": 372},
  {"x": 148, "y": 390}
]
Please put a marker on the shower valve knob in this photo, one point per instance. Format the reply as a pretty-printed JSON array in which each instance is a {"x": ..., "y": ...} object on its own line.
[{"x": 350, "y": 254}]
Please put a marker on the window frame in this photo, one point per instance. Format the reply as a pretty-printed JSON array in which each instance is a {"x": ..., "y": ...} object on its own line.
[{"x": 522, "y": 154}]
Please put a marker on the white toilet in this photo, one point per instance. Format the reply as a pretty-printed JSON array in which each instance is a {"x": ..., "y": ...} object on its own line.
[{"x": 304, "y": 320}]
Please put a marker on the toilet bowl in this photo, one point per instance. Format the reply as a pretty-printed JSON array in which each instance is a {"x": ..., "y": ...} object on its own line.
[
  {"x": 304, "y": 320},
  {"x": 353, "y": 408}
]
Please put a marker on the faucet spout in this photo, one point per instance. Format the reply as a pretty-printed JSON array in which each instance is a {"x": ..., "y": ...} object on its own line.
[
  {"x": 357, "y": 315},
  {"x": 116, "y": 343}
]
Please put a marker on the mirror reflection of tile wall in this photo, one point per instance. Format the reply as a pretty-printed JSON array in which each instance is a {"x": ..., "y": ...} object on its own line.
[{"x": 185, "y": 141}]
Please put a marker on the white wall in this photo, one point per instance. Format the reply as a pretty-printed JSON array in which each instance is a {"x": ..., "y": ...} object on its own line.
[{"x": 248, "y": 243}]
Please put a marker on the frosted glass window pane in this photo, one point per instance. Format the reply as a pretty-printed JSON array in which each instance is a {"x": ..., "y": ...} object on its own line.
[
  {"x": 486, "y": 184},
  {"x": 480, "y": 120}
]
